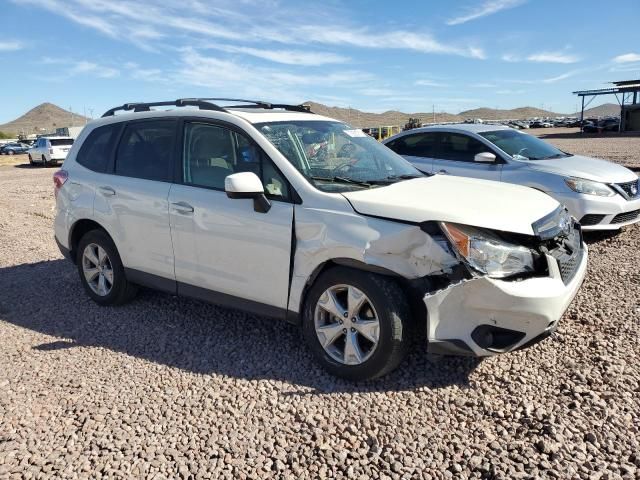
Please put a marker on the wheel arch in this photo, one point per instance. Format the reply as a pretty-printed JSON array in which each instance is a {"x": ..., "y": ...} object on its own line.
[
  {"x": 78, "y": 230},
  {"x": 412, "y": 291}
]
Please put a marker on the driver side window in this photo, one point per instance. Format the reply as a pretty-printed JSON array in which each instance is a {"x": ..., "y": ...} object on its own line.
[
  {"x": 212, "y": 152},
  {"x": 460, "y": 147}
]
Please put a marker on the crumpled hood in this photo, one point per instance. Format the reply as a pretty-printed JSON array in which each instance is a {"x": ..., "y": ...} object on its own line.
[
  {"x": 481, "y": 203},
  {"x": 585, "y": 167}
]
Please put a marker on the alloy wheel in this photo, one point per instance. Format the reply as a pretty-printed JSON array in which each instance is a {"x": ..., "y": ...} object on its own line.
[
  {"x": 346, "y": 324},
  {"x": 97, "y": 269}
]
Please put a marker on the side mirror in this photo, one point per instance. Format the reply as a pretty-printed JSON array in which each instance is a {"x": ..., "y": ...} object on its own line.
[
  {"x": 247, "y": 185},
  {"x": 484, "y": 157}
]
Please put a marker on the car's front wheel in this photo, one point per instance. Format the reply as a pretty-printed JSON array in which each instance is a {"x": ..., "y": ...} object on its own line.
[
  {"x": 357, "y": 323},
  {"x": 101, "y": 270}
]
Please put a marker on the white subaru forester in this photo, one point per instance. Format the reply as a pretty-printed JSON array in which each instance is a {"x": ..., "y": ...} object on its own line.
[{"x": 274, "y": 210}]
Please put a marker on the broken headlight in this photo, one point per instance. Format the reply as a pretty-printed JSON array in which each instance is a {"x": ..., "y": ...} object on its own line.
[{"x": 488, "y": 253}]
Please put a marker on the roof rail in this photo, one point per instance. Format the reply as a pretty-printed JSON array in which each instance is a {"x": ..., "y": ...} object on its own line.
[
  {"x": 181, "y": 102},
  {"x": 206, "y": 104}
]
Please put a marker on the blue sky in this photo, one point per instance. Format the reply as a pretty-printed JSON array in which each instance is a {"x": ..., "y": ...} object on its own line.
[{"x": 373, "y": 55}]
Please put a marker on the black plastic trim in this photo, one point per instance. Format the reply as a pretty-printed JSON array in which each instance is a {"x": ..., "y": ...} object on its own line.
[
  {"x": 231, "y": 301},
  {"x": 151, "y": 281},
  {"x": 66, "y": 253}
]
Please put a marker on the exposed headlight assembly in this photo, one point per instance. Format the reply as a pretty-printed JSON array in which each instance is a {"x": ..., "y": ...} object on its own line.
[
  {"x": 589, "y": 187},
  {"x": 488, "y": 253}
]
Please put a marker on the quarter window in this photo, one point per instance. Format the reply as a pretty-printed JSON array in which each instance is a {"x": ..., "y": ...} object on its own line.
[
  {"x": 211, "y": 153},
  {"x": 146, "y": 150},
  {"x": 95, "y": 150}
]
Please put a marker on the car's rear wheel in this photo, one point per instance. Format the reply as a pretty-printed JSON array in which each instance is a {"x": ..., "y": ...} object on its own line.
[
  {"x": 357, "y": 323},
  {"x": 30, "y": 160},
  {"x": 101, "y": 270},
  {"x": 44, "y": 161},
  {"x": 10, "y": 152}
]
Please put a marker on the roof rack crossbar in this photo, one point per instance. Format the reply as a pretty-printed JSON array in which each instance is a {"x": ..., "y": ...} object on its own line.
[{"x": 260, "y": 104}]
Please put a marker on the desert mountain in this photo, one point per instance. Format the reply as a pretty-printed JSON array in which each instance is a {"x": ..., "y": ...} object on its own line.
[
  {"x": 604, "y": 110},
  {"x": 43, "y": 118}
]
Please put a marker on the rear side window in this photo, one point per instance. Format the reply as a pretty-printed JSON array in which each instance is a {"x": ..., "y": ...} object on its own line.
[
  {"x": 146, "y": 150},
  {"x": 59, "y": 142},
  {"x": 94, "y": 152}
]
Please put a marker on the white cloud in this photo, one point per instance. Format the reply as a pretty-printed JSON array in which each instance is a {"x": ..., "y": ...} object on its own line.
[
  {"x": 553, "y": 57},
  {"x": 542, "y": 57},
  {"x": 627, "y": 58},
  {"x": 428, "y": 83},
  {"x": 72, "y": 68},
  {"x": 190, "y": 21},
  {"x": 562, "y": 76},
  {"x": 483, "y": 85},
  {"x": 511, "y": 57},
  {"x": 10, "y": 45},
  {"x": 288, "y": 57},
  {"x": 489, "y": 7}
]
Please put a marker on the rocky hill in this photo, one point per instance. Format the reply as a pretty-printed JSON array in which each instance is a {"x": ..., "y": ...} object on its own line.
[
  {"x": 359, "y": 118},
  {"x": 604, "y": 110},
  {"x": 515, "y": 113},
  {"x": 43, "y": 118}
]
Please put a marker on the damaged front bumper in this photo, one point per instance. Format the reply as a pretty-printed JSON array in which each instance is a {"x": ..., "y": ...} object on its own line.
[{"x": 484, "y": 316}]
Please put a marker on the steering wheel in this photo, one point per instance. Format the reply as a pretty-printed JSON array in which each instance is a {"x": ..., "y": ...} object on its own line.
[
  {"x": 344, "y": 165},
  {"x": 347, "y": 150}
]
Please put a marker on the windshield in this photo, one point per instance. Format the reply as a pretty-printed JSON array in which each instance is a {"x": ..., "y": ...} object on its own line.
[
  {"x": 335, "y": 157},
  {"x": 523, "y": 146}
]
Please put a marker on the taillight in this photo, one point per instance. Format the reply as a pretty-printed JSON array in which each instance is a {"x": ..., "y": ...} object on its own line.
[
  {"x": 51, "y": 150},
  {"x": 59, "y": 178}
]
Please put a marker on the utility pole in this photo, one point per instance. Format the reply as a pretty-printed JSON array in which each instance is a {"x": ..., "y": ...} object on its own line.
[{"x": 433, "y": 110}]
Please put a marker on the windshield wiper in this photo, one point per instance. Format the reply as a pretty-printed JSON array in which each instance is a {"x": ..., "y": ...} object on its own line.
[
  {"x": 338, "y": 179},
  {"x": 394, "y": 178},
  {"x": 556, "y": 155}
]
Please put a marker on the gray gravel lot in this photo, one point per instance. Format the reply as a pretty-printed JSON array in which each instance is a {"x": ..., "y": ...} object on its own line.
[{"x": 167, "y": 387}]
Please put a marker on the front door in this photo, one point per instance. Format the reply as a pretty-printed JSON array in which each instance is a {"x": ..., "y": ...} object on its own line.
[
  {"x": 456, "y": 152},
  {"x": 225, "y": 251}
]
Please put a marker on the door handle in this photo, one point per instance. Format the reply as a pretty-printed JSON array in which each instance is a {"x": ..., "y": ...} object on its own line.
[
  {"x": 107, "y": 191},
  {"x": 182, "y": 207},
  {"x": 443, "y": 172}
]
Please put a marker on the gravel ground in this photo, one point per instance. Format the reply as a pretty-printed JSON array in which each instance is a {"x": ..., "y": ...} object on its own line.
[{"x": 167, "y": 387}]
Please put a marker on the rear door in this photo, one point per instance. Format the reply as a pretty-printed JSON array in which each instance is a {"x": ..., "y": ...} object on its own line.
[
  {"x": 418, "y": 148},
  {"x": 225, "y": 251},
  {"x": 456, "y": 152},
  {"x": 132, "y": 199}
]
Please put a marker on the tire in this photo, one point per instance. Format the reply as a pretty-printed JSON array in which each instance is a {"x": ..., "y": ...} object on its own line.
[
  {"x": 44, "y": 161},
  {"x": 30, "y": 160},
  {"x": 10, "y": 152},
  {"x": 121, "y": 290},
  {"x": 384, "y": 301}
]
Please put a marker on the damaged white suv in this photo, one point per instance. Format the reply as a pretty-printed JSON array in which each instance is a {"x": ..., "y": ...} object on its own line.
[{"x": 272, "y": 209}]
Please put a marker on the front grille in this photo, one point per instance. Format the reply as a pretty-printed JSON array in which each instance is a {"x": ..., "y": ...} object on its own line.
[
  {"x": 568, "y": 253},
  {"x": 591, "y": 219},
  {"x": 569, "y": 267},
  {"x": 628, "y": 186},
  {"x": 626, "y": 217}
]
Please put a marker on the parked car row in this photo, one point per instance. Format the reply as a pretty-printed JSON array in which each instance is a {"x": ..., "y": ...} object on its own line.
[
  {"x": 362, "y": 248},
  {"x": 13, "y": 148}
]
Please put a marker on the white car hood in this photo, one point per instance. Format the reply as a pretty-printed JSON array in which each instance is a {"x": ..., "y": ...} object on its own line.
[
  {"x": 481, "y": 203},
  {"x": 585, "y": 167}
]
